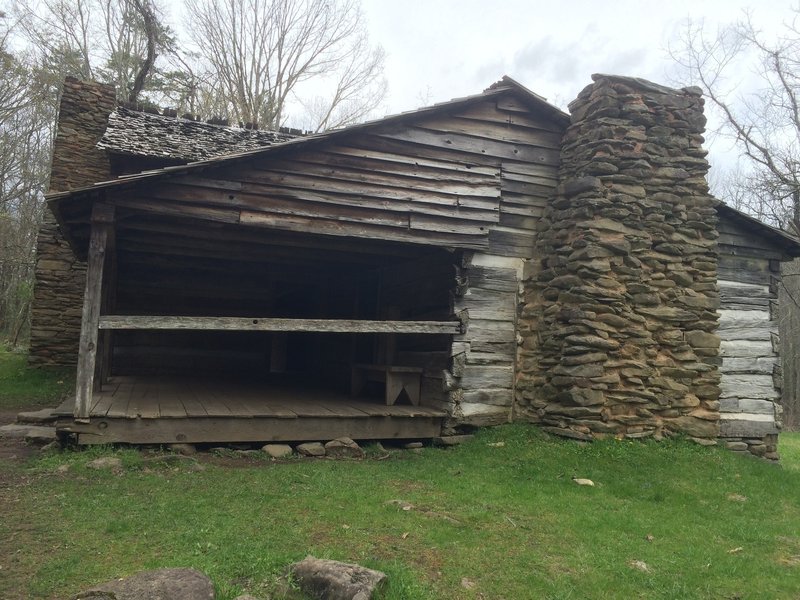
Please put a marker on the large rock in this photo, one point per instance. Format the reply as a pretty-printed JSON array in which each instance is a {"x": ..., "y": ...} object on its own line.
[
  {"x": 343, "y": 447},
  {"x": 160, "y": 584},
  {"x": 333, "y": 580}
]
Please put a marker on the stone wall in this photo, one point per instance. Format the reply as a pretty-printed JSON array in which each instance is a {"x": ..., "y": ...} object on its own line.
[
  {"x": 618, "y": 332},
  {"x": 60, "y": 278}
]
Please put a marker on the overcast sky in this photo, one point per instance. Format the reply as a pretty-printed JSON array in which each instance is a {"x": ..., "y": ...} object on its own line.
[{"x": 441, "y": 49}]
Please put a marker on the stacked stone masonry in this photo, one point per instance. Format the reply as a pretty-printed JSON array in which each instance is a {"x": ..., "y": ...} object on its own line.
[
  {"x": 619, "y": 319},
  {"x": 60, "y": 277}
]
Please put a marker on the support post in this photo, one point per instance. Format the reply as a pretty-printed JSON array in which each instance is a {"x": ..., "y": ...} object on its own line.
[{"x": 102, "y": 222}]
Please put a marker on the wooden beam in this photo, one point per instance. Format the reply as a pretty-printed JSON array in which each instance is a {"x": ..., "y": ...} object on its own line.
[
  {"x": 270, "y": 324},
  {"x": 102, "y": 222}
]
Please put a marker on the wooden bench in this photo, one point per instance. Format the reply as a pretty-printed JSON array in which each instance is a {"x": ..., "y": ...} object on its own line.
[{"x": 397, "y": 379}]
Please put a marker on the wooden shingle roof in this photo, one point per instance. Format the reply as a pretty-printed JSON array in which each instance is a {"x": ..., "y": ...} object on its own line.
[{"x": 137, "y": 133}]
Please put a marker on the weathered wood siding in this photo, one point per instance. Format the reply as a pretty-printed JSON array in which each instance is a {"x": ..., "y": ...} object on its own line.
[
  {"x": 749, "y": 271},
  {"x": 474, "y": 181}
]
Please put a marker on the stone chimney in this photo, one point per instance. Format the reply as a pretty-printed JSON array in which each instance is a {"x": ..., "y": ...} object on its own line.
[
  {"x": 58, "y": 292},
  {"x": 625, "y": 297}
]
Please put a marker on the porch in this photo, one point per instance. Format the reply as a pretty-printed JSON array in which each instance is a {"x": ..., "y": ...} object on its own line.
[{"x": 171, "y": 409}]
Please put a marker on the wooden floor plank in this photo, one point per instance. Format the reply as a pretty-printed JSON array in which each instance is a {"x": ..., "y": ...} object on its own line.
[
  {"x": 120, "y": 400},
  {"x": 169, "y": 400},
  {"x": 178, "y": 398},
  {"x": 101, "y": 403},
  {"x": 191, "y": 402}
]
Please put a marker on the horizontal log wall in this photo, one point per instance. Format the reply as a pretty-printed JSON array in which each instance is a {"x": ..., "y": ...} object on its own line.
[
  {"x": 749, "y": 271},
  {"x": 481, "y": 379}
]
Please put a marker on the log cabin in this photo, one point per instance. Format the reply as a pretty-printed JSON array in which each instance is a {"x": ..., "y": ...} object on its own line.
[{"x": 480, "y": 261}]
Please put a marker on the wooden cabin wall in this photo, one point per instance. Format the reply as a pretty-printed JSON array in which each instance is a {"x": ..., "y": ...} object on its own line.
[
  {"x": 476, "y": 179},
  {"x": 749, "y": 272}
]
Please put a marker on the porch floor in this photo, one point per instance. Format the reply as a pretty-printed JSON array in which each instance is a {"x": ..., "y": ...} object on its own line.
[{"x": 160, "y": 410}]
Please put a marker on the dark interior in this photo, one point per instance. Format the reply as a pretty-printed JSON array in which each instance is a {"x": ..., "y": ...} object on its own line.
[{"x": 166, "y": 267}]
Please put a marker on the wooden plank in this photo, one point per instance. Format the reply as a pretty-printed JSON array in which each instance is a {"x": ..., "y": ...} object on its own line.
[
  {"x": 748, "y": 386},
  {"x": 742, "y": 405},
  {"x": 327, "y": 200},
  {"x": 404, "y": 161},
  {"x": 271, "y": 324},
  {"x": 361, "y": 230},
  {"x": 761, "y": 364},
  {"x": 258, "y": 429},
  {"x": 473, "y": 145},
  {"x": 505, "y": 132},
  {"x": 101, "y": 404},
  {"x": 191, "y": 403},
  {"x": 745, "y": 348},
  {"x": 748, "y": 427},
  {"x": 489, "y": 111},
  {"x": 479, "y": 377},
  {"x": 102, "y": 221}
]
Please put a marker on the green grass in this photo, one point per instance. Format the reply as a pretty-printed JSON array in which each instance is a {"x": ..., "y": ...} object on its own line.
[
  {"x": 507, "y": 518},
  {"x": 22, "y": 387}
]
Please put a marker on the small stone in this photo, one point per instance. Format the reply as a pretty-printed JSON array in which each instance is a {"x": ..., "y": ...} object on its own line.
[
  {"x": 245, "y": 597},
  {"x": 639, "y": 565},
  {"x": 278, "y": 450},
  {"x": 343, "y": 447},
  {"x": 62, "y": 469},
  {"x": 105, "y": 462},
  {"x": 736, "y": 446},
  {"x": 53, "y": 446},
  {"x": 452, "y": 440},
  {"x": 703, "y": 441},
  {"x": 311, "y": 449},
  {"x": 412, "y": 445},
  {"x": 183, "y": 449}
]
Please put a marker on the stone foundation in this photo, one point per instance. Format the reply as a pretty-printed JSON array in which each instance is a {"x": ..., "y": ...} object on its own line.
[
  {"x": 618, "y": 327},
  {"x": 60, "y": 278}
]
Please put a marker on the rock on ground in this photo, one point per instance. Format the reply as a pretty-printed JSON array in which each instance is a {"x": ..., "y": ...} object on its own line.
[
  {"x": 160, "y": 584},
  {"x": 278, "y": 450},
  {"x": 343, "y": 447},
  {"x": 333, "y": 580},
  {"x": 30, "y": 433},
  {"x": 311, "y": 449}
]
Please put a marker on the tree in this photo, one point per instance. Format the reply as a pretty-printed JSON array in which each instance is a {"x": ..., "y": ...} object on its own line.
[
  {"x": 762, "y": 119},
  {"x": 753, "y": 82},
  {"x": 26, "y": 121},
  {"x": 264, "y": 53},
  {"x": 113, "y": 41}
]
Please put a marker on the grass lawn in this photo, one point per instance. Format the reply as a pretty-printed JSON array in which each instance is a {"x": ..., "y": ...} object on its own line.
[
  {"x": 496, "y": 518},
  {"x": 21, "y": 387}
]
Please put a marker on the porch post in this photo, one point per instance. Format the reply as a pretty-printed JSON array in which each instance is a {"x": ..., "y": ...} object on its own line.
[{"x": 102, "y": 222}]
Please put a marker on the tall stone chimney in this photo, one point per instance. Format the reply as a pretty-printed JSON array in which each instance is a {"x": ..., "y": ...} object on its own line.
[
  {"x": 625, "y": 297},
  {"x": 60, "y": 278}
]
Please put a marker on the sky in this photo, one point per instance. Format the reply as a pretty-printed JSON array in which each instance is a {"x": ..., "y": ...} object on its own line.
[{"x": 442, "y": 49}]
